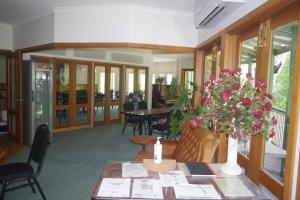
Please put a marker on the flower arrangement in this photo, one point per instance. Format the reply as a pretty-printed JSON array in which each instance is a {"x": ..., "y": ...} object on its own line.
[
  {"x": 237, "y": 106},
  {"x": 135, "y": 98}
]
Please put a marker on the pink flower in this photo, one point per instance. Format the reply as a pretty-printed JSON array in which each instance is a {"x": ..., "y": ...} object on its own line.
[
  {"x": 258, "y": 114},
  {"x": 249, "y": 76},
  {"x": 207, "y": 101},
  {"x": 238, "y": 70},
  {"x": 268, "y": 106},
  {"x": 206, "y": 83},
  {"x": 274, "y": 120},
  {"x": 198, "y": 120},
  {"x": 268, "y": 95},
  {"x": 226, "y": 94},
  {"x": 272, "y": 133},
  {"x": 246, "y": 102},
  {"x": 162, "y": 121},
  {"x": 193, "y": 124},
  {"x": 260, "y": 84},
  {"x": 258, "y": 125},
  {"x": 236, "y": 86},
  {"x": 213, "y": 78},
  {"x": 205, "y": 95}
]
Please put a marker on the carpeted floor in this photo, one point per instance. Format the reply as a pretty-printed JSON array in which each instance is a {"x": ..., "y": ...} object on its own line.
[{"x": 74, "y": 162}]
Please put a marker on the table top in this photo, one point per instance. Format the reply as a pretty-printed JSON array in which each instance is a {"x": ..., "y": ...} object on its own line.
[
  {"x": 113, "y": 169},
  {"x": 146, "y": 112}
]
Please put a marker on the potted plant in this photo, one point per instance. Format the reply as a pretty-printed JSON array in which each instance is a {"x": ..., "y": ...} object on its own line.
[{"x": 239, "y": 107}]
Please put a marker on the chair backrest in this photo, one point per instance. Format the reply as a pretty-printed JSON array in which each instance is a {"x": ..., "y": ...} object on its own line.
[
  {"x": 128, "y": 106},
  {"x": 39, "y": 146},
  {"x": 143, "y": 105},
  {"x": 195, "y": 145}
]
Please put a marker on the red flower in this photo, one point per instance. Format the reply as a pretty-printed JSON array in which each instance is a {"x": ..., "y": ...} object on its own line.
[
  {"x": 268, "y": 106},
  {"x": 193, "y": 124},
  {"x": 198, "y": 120},
  {"x": 274, "y": 120},
  {"x": 258, "y": 125},
  {"x": 236, "y": 86},
  {"x": 246, "y": 102},
  {"x": 226, "y": 94},
  {"x": 238, "y": 70},
  {"x": 249, "y": 76},
  {"x": 260, "y": 84},
  {"x": 268, "y": 95},
  {"x": 205, "y": 95},
  {"x": 258, "y": 114},
  {"x": 206, "y": 83},
  {"x": 162, "y": 121}
]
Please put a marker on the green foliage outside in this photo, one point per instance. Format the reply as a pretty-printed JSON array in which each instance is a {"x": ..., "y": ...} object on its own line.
[{"x": 281, "y": 82}]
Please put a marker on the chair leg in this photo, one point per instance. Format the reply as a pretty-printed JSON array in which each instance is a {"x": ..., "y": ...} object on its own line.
[
  {"x": 3, "y": 191},
  {"x": 124, "y": 128},
  {"x": 32, "y": 188},
  {"x": 39, "y": 188}
]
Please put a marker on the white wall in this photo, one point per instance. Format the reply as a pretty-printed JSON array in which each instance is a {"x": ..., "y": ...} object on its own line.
[
  {"x": 100, "y": 24},
  {"x": 33, "y": 33},
  {"x": 248, "y": 6},
  {"x": 156, "y": 26},
  {"x": 6, "y": 36}
]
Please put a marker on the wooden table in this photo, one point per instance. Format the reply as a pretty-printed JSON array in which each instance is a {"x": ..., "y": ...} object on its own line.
[
  {"x": 143, "y": 141},
  {"x": 113, "y": 169},
  {"x": 147, "y": 115}
]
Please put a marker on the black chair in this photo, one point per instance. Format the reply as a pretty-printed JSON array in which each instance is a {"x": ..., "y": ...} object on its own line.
[
  {"x": 129, "y": 120},
  {"x": 142, "y": 105},
  {"x": 24, "y": 172},
  {"x": 162, "y": 128}
]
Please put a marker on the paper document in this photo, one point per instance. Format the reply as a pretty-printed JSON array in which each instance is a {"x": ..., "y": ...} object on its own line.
[
  {"x": 228, "y": 187},
  {"x": 114, "y": 187},
  {"x": 195, "y": 191},
  {"x": 146, "y": 188},
  {"x": 169, "y": 179},
  {"x": 133, "y": 170}
]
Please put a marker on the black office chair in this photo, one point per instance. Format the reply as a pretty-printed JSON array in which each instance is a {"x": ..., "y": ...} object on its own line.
[
  {"x": 129, "y": 120},
  {"x": 19, "y": 172},
  {"x": 162, "y": 126}
]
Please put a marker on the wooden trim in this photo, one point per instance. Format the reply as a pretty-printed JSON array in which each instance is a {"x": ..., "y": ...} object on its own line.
[
  {"x": 229, "y": 51},
  {"x": 271, "y": 184},
  {"x": 19, "y": 98},
  {"x": 298, "y": 182},
  {"x": 290, "y": 14},
  {"x": 5, "y": 52},
  {"x": 59, "y": 130},
  {"x": 294, "y": 124},
  {"x": 183, "y": 70},
  {"x": 243, "y": 161},
  {"x": 221, "y": 153},
  {"x": 199, "y": 62},
  {"x": 107, "y": 45}
]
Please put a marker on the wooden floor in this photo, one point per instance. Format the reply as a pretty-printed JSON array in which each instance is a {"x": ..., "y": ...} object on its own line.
[{"x": 9, "y": 147}]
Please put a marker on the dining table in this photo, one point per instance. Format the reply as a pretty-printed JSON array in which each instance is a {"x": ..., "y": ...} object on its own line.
[{"x": 148, "y": 115}]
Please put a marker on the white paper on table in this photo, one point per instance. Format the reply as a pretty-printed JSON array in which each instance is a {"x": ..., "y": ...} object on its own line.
[
  {"x": 146, "y": 188},
  {"x": 228, "y": 187},
  {"x": 114, "y": 187},
  {"x": 171, "y": 178},
  {"x": 196, "y": 191},
  {"x": 133, "y": 170}
]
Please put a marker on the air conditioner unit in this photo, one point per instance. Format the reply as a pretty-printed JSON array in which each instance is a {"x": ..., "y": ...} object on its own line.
[{"x": 210, "y": 13}]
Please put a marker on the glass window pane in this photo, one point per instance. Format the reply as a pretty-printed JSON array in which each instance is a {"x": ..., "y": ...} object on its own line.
[
  {"x": 208, "y": 67},
  {"x": 141, "y": 83},
  {"x": 62, "y": 117},
  {"x": 283, "y": 57},
  {"x": 218, "y": 65},
  {"x": 248, "y": 57},
  {"x": 169, "y": 79},
  {"x": 82, "y": 115},
  {"x": 129, "y": 81},
  {"x": 62, "y": 84},
  {"x": 114, "y": 92},
  {"x": 81, "y": 84},
  {"x": 99, "y": 89},
  {"x": 153, "y": 78}
]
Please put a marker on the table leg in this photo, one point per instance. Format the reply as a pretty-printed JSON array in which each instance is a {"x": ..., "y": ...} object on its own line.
[
  {"x": 149, "y": 126},
  {"x": 140, "y": 126}
]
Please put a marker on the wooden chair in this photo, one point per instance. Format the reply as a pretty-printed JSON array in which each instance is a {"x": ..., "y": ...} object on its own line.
[{"x": 194, "y": 145}]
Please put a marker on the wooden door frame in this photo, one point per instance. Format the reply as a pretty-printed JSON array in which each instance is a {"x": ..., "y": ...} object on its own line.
[{"x": 183, "y": 70}]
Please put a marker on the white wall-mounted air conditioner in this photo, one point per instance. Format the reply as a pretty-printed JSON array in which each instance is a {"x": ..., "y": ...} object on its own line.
[{"x": 209, "y": 14}]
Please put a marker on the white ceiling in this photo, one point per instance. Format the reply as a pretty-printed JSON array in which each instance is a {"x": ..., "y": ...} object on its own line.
[{"x": 19, "y": 11}]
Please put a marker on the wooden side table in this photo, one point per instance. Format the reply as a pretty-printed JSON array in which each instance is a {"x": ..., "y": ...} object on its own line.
[{"x": 143, "y": 141}]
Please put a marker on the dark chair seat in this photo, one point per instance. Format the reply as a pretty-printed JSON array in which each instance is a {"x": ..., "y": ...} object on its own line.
[{"x": 15, "y": 171}]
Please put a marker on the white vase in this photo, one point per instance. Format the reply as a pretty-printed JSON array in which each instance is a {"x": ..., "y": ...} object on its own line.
[{"x": 231, "y": 167}]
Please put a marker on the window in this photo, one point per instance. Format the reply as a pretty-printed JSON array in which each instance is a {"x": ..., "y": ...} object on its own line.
[{"x": 169, "y": 79}]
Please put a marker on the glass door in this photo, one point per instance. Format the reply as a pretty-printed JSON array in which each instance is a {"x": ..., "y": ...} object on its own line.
[
  {"x": 142, "y": 84},
  {"x": 208, "y": 67},
  {"x": 129, "y": 85},
  {"x": 99, "y": 94},
  {"x": 62, "y": 94},
  {"x": 82, "y": 93},
  {"x": 281, "y": 78}
]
